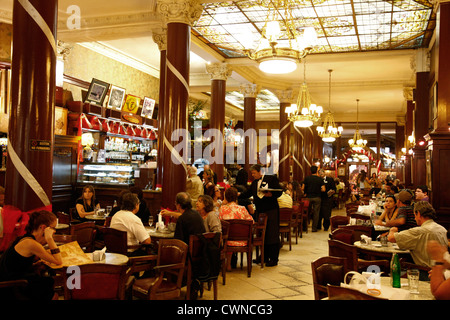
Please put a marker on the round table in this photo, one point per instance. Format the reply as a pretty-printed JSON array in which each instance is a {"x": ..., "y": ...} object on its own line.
[
  {"x": 424, "y": 288},
  {"x": 376, "y": 251},
  {"x": 95, "y": 217},
  {"x": 159, "y": 234},
  {"x": 111, "y": 258}
]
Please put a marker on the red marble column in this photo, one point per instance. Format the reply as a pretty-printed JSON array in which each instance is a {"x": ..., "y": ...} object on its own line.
[
  {"x": 399, "y": 144},
  {"x": 298, "y": 165},
  {"x": 31, "y": 121},
  {"x": 408, "y": 132},
  {"x": 219, "y": 74},
  {"x": 250, "y": 92},
  {"x": 284, "y": 170}
]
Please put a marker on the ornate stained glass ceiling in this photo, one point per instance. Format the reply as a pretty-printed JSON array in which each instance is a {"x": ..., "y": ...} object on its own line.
[{"x": 341, "y": 25}]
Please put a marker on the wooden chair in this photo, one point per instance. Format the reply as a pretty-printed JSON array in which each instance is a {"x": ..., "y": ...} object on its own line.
[
  {"x": 8, "y": 289},
  {"x": 116, "y": 241},
  {"x": 337, "y": 221},
  {"x": 305, "y": 212},
  {"x": 241, "y": 230},
  {"x": 85, "y": 233},
  {"x": 407, "y": 265},
  {"x": 338, "y": 248},
  {"x": 359, "y": 216},
  {"x": 297, "y": 220},
  {"x": 259, "y": 234},
  {"x": 327, "y": 270},
  {"x": 344, "y": 235},
  {"x": 63, "y": 217},
  {"x": 223, "y": 252},
  {"x": 196, "y": 252},
  {"x": 286, "y": 225},
  {"x": 170, "y": 265},
  {"x": 358, "y": 231},
  {"x": 98, "y": 281},
  {"x": 73, "y": 215},
  {"x": 342, "y": 293}
]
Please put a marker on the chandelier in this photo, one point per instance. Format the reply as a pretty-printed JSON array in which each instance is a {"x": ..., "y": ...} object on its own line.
[
  {"x": 328, "y": 132},
  {"x": 304, "y": 114},
  {"x": 282, "y": 43},
  {"x": 357, "y": 143}
]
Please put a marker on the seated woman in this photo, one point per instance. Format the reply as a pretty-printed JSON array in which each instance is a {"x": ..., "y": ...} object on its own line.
[
  {"x": 214, "y": 192},
  {"x": 390, "y": 211},
  {"x": 231, "y": 210},
  {"x": 205, "y": 206},
  {"x": 18, "y": 261},
  {"x": 86, "y": 204}
]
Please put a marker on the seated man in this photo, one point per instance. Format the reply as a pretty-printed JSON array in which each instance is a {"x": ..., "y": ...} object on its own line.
[
  {"x": 189, "y": 221},
  {"x": 126, "y": 220},
  {"x": 416, "y": 239},
  {"x": 405, "y": 217},
  {"x": 422, "y": 193}
]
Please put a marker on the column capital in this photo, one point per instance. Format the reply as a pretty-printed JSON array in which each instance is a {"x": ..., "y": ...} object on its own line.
[
  {"x": 408, "y": 93},
  {"x": 159, "y": 36},
  {"x": 181, "y": 11},
  {"x": 250, "y": 90},
  {"x": 285, "y": 96},
  {"x": 219, "y": 70},
  {"x": 63, "y": 50}
]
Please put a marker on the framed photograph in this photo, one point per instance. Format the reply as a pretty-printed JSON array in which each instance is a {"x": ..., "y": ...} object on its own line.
[
  {"x": 116, "y": 98},
  {"x": 147, "y": 108},
  {"x": 131, "y": 104},
  {"x": 97, "y": 92},
  {"x": 341, "y": 171}
]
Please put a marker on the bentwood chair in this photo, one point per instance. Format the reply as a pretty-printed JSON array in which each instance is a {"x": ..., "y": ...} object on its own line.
[
  {"x": 169, "y": 269},
  {"x": 97, "y": 281},
  {"x": 337, "y": 221},
  {"x": 259, "y": 236},
  {"x": 327, "y": 270},
  {"x": 85, "y": 233},
  {"x": 223, "y": 252},
  {"x": 297, "y": 220},
  {"x": 241, "y": 230},
  {"x": 10, "y": 290},
  {"x": 341, "y": 234},
  {"x": 342, "y": 293},
  {"x": 286, "y": 225},
  {"x": 200, "y": 269}
]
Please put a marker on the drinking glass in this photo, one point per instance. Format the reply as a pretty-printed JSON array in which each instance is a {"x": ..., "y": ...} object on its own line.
[
  {"x": 108, "y": 210},
  {"x": 150, "y": 221},
  {"x": 413, "y": 280}
]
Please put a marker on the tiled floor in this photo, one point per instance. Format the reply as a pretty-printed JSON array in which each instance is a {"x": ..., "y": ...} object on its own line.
[{"x": 290, "y": 280}]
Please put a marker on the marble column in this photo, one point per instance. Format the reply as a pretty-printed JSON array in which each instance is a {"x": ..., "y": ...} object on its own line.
[
  {"x": 408, "y": 131},
  {"x": 284, "y": 170},
  {"x": 399, "y": 144},
  {"x": 250, "y": 91},
  {"x": 31, "y": 122},
  {"x": 160, "y": 38},
  {"x": 178, "y": 17},
  {"x": 219, "y": 75}
]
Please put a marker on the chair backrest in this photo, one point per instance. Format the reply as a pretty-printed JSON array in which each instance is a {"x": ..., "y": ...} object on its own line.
[
  {"x": 97, "y": 281},
  {"x": 63, "y": 217},
  {"x": 225, "y": 232},
  {"x": 338, "y": 248},
  {"x": 341, "y": 234},
  {"x": 204, "y": 260},
  {"x": 342, "y": 293},
  {"x": 359, "y": 230},
  {"x": 359, "y": 216},
  {"x": 327, "y": 270},
  {"x": 240, "y": 230},
  {"x": 260, "y": 228},
  {"x": 173, "y": 251},
  {"x": 286, "y": 215},
  {"x": 115, "y": 240},
  {"x": 337, "y": 221},
  {"x": 85, "y": 233}
]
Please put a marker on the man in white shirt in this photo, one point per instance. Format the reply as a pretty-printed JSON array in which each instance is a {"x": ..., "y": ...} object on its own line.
[
  {"x": 194, "y": 186},
  {"x": 126, "y": 220}
]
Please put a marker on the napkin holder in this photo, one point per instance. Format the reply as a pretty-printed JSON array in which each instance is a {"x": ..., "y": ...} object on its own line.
[
  {"x": 366, "y": 240},
  {"x": 99, "y": 255}
]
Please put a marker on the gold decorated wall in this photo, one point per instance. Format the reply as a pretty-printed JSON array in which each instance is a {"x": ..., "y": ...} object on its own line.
[
  {"x": 5, "y": 42},
  {"x": 85, "y": 64}
]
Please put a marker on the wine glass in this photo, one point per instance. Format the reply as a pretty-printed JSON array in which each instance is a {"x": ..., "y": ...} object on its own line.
[
  {"x": 108, "y": 210},
  {"x": 150, "y": 221}
]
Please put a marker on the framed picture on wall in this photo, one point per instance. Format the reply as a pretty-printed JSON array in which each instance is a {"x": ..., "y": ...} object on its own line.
[
  {"x": 341, "y": 171},
  {"x": 147, "y": 108},
  {"x": 131, "y": 104},
  {"x": 116, "y": 98},
  {"x": 97, "y": 92}
]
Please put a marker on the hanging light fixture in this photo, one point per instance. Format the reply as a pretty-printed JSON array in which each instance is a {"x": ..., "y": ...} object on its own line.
[
  {"x": 329, "y": 132},
  {"x": 284, "y": 42},
  {"x": 357, "y": 143},
  {"x": 304, "y": 114}
]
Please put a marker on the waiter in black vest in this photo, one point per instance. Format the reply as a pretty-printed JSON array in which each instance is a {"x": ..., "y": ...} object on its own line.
[{"x": 266, "y": 202}]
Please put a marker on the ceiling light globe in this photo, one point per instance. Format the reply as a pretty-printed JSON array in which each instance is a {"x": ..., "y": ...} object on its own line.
[
  {"x": 278, "y": 66},
  {"x": 329, "y": 139},
  {"x": 303, "y": 123}
]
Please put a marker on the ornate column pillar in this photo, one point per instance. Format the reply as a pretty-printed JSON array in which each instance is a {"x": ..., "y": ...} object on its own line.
[
  {"x": 250, "y": 91},
  {"x": 284, "y": 170},
  {"x": 219, "y": 75},
  {"x": 31, "y": 121},
  {"x": 399, "y": 144},
  {"x": 160, "y": 38},
  {"x": 178, "y": 16},
  {"x": 407, "y": 92},
  {"x": 421, "y": 117}
]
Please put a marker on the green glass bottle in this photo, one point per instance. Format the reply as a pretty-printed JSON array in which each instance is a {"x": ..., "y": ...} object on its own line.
[{"x": 395, "y": 271}]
